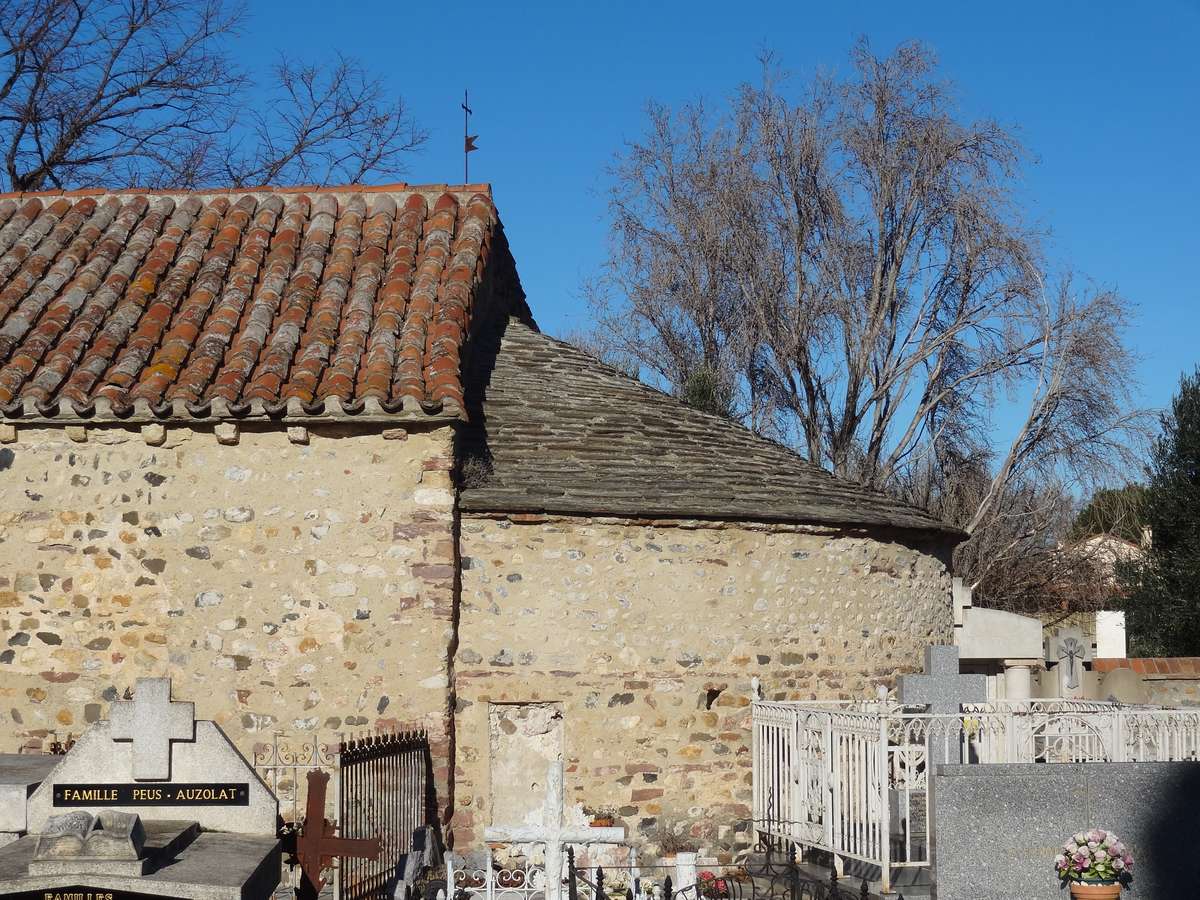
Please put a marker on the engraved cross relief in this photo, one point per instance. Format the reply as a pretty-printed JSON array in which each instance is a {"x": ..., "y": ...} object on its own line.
[
  {"x": 151, "y": 720},
  {"x": 1070, "y": 649}
]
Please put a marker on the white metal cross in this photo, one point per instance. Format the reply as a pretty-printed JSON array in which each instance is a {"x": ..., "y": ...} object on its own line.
[
  {"x": 152, "y": 721},
  {"x": 553, "y": 833}
]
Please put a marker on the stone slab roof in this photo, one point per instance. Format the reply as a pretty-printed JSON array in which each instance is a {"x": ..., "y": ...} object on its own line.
[
  {"x": 285, "y": 302},
  {"x": 552, "y": 430}
]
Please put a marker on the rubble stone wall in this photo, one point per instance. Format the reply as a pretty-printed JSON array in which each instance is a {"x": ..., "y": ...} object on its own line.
[
  {"x": 301, "y": 588},
  {"x": 648, "y": 635}
]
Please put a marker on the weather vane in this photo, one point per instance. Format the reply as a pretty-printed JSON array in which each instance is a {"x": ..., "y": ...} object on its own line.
[{"x": 468, "y": 139}]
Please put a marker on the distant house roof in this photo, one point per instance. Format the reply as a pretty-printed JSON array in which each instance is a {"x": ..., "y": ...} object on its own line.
[
  {"x": 285, "y": 302},
  {"x": 552, "y": 430}
]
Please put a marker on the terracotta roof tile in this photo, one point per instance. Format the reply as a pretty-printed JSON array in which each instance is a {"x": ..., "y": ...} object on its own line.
[
  {"x": 1179, "y": 666},
  {"x": 269, "y": 301}
]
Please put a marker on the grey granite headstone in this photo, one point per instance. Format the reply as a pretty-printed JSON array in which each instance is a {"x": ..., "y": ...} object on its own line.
[
  {"x": 1067, "y": 649},
  {"x": 998, "y": 827},
  {"x": 942, "y": 688}
]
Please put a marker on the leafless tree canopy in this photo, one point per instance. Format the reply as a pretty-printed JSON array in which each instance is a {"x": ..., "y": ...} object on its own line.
[
  {"x": 144, "y": 92},
  {"x": 852, "y": 266}
]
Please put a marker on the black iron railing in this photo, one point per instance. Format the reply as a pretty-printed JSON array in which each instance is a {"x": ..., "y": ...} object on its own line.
[{"x": 385, "y": 790}]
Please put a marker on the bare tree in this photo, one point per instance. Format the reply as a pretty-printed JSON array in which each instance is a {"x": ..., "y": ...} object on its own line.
[
  {"x": 326, "y": 123},
  {"x": 144, "y": 92},
  {"x": 1023, "y": 558},
  {"x": 854, "y": 267}
]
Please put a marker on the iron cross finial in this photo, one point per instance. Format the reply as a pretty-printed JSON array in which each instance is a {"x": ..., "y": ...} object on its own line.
[{"x": 468, "y": 139}]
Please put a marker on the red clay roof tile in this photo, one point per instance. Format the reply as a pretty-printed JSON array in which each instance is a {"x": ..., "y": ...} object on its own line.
[
  {"x": 210, "y": 303},
  {"x": 1184, "y": 666}
]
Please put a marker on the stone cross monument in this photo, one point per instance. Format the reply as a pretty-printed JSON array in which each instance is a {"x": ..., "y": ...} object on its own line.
[
  {"x": 154, "y": 758},
  {"x": 151, "y": 720},
  {"x": 150, "y": 802},
  {"x": 944, "y": 690}
]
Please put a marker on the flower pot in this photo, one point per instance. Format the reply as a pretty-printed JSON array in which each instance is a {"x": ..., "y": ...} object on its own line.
[{"x": 1099, "y": 890}]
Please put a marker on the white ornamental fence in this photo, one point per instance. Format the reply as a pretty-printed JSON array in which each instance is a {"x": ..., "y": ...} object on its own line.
[{"x": 851, "y": 778}]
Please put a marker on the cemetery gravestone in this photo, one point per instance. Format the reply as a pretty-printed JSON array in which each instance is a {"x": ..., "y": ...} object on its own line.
[
  {"x": 944, "y": 690},
  {"x": 998, "y": 827},
  {"x": 20, "y": 774},
  {"x": 1067, "y": 649},
  {"x": 151, "y": 803},
  {"x": 153, "y": 758},
  {"x": 553, "y": 833}
]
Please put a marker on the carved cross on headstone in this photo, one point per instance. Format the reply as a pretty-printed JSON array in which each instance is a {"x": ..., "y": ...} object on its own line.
[
  {"x": 1070, "y": 649},
  {"x": 152, "y": 721},
  {"x": 553, "y": 832},
  {"x": 944, "y": 690},
  {"x": 318, "y": 843}
]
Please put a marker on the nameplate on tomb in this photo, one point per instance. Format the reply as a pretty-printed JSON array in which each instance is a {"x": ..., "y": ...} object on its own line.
[
  {"x": 84, "y": 893},
  {"x": 141, "y": 794}
]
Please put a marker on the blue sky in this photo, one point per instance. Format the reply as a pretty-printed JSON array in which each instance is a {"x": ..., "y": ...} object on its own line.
[{"x": 1106, "y": 96}]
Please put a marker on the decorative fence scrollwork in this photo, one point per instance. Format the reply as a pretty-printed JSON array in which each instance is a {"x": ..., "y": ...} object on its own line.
[{"x": 851, "y": 778}]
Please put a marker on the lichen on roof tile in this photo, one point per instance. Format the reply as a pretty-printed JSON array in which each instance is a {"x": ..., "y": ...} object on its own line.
[{"x": 114, "y": 304}]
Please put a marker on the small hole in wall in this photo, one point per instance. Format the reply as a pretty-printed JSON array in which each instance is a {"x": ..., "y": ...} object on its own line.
[{"x": 711, "y": 698}]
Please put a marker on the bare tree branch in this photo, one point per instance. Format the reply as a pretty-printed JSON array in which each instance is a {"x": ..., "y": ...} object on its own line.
[
  {"x": 326, "y": 124},
  {"x": 853, "y": 268},
  {"x": 145, "y": 92}
]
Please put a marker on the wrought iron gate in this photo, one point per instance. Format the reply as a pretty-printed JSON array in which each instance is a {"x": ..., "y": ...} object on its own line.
[{"x": 385, "y": 790}]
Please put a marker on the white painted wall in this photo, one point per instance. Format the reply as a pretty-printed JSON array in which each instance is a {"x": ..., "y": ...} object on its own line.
[{"x": 1110, "y": 635}]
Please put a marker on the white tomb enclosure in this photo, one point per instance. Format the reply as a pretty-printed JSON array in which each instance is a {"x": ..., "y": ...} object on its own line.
[
  {"x": 850, "y": 778},
  {"x": 1004, "y": 646}
]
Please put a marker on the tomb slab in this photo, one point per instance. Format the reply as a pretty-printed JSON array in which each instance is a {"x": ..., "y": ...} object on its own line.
[{"x": 20, "y": 774}]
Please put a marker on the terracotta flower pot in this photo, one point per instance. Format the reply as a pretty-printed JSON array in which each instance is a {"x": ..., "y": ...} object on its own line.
[{"x": 1096, "y": 891}]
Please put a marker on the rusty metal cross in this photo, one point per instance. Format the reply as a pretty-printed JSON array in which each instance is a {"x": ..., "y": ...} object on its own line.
[{"x": 318, "y": 843}]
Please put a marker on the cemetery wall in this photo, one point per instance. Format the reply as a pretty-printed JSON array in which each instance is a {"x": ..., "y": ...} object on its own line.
[
  {"x": 1168, "y": 681},
  {"x": 304, "y": 588},
  {"x": 648, "y": 635}
]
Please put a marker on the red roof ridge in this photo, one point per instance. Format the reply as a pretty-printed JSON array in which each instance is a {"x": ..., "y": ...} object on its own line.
[
  {"x": 1186, "y": 666},
  {"x": 397, "y": 187}
]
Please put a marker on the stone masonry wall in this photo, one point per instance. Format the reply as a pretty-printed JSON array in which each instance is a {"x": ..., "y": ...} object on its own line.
[
  {"x": 302, "y": 588},
  {"x": 648, "y": 636}
]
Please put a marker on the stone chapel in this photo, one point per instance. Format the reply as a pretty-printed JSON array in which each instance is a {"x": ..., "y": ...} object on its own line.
[{"x": 306, "y": 452}]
